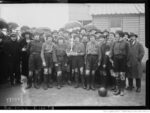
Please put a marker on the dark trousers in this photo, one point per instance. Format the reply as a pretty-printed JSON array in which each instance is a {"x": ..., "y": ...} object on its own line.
[
  {"x": 24, "y": 65},
  {"x": 138, "y": 82},
  {"x": 13, "y": 71},
  {"x": 3, "y": 77}
]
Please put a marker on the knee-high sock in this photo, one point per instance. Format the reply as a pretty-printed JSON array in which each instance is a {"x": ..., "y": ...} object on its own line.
[{"x": 76, "y": 77}]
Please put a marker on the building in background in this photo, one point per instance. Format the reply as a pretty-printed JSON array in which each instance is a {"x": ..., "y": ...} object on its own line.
[
  {"x": 80, "y": 12},
  {"x": 125, "y": 17}
]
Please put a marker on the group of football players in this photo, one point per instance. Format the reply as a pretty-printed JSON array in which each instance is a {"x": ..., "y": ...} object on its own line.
[{"x": 80, "y": 58}]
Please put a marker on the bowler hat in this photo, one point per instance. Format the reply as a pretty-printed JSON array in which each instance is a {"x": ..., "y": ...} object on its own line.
[{"x": 133, "y": 34}]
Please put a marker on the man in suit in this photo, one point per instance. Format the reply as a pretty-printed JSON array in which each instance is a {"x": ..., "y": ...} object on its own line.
[
  {"x": 12, "y": 53},
  {"x": 134, "y": 64}
]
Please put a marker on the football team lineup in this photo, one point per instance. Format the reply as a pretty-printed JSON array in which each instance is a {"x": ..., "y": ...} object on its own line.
[{"x": 88, "y": 61}]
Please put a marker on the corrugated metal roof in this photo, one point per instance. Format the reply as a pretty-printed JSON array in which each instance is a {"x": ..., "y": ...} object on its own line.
[
  {"x": 102, "y": 9},
  {"x": 79, "y": 12}
]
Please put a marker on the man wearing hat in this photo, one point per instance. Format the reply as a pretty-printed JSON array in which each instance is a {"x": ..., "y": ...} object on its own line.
[
  {"x": 12, "y": 54},
  {"x": 5, "y": 33},
  {"x": 120, "y": 54},
  {"x": 35, "y": 62},
  {"x": 47, "y": 56},
  {"x": 126, "y": 36},
  {"x": 134, "y": 64}
]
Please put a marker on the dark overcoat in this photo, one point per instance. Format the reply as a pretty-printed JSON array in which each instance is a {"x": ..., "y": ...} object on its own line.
[{"x": 135, "y": 69}]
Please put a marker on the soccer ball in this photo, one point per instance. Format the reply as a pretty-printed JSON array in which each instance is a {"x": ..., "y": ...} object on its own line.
[{"x": 102, "y": 92}]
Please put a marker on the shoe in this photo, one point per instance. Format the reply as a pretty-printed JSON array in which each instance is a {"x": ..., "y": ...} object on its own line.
[
  {"x": 45, "y": 87},
  {"x": 76, "y": 80},
  {"x": 61, "y": 85},
  {"x": 138, "y": 90},
  {"x": 92, "y": 87},
  {"x": 113, "y": 88},
  {"x": 12, "y": 84},
  {"x": 121, "y": 93},
  {"x": 36, "y": 86},
  {"x": 69, "y": 82},
  {"x": 50, "y": 86},
  {"x": 129, "y": 88},
  {"x": 88, "y": 87},
  {"x": 29, "y": 86},
  {"x": 58, "y": 87},
  {"x": 117, "y": 92},
  {"x": 76, "y": 86},
  {"x": 83, "y": 87},
  {"x": 18, "y": 83}
]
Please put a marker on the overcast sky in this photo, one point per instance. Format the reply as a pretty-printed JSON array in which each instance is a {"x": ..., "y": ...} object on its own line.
[{"x": 36, "y": 15}]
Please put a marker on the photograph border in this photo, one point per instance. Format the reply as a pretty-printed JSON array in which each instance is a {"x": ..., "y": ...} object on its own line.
[{"x": 147, "y": 36}]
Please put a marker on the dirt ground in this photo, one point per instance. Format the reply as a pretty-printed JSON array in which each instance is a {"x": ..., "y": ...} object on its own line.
[{"x": 67, "y": 96}]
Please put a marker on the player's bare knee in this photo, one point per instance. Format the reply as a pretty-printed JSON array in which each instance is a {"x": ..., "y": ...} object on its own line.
[
  {"x": 50, "y": 71},
  {"x": 59, "y": 73},
  {"x": 76, "y": 70},
  {"x": 72, "y": 71},
  {"x": 30, "y": 73},
  {"x": 45, "y": 70},
  {"x": 81, "y": 70},
  {"x": 87, "y": 72},
  {"x": 93, "y": 72}
]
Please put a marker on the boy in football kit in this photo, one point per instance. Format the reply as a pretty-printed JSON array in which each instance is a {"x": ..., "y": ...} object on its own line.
[
  {"x": 60, "y": 60},
  {"x": 120, "y": 54},
  {"x": 35, "y": 62},
  {"x": 78, "y": 60},
  {"x": 106, "y": 67},
  {"x": 85, "y": 40},
  {"x": 47, "y": 56},
  {"x": 92, "y": 60}
]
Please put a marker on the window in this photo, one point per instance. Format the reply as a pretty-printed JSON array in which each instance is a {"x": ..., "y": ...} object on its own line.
[{"x": 115, "y": 24}]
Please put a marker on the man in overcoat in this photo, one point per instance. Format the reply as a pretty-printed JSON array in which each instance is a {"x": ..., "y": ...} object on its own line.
[{"x": 134, "y": 64}]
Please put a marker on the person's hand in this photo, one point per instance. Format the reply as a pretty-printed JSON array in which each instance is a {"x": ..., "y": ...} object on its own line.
[
  {"x": 107, "y": 53},
  {"x": 56, "y": 64},
  {"x": 112, "y": 73},
  {"x": 65, "y": 64},
  {"x": 99, "y": 63},
  {"x": 28, "y": 41},
  {"x": 44, "y": 63},
  {"x": 112, "y": 62},
  {"x": 23, "y": 49},
  {"x": 104, "y": 66}
]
